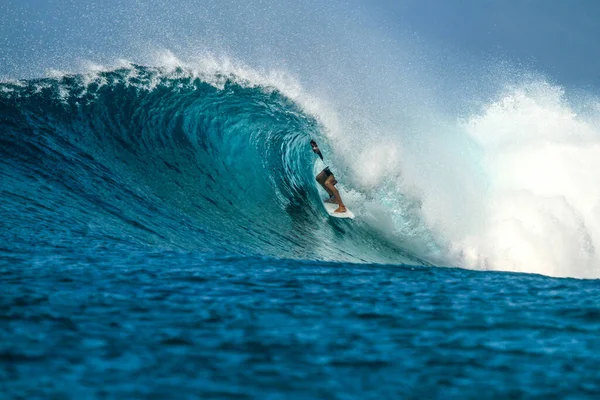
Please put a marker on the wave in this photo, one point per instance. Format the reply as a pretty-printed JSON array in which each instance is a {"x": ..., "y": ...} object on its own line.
[
  {"x": 215, "y": 158},
  {"x": 171, "y": 159}
]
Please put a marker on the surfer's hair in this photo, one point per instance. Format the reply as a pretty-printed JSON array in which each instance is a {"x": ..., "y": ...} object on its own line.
[{"x": 312, "y": 142}]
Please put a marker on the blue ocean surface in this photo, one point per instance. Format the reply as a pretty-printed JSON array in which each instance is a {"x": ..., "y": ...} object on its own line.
[
  {"x": 96, "y": 324},
  {"x": 163, "y": 237}
]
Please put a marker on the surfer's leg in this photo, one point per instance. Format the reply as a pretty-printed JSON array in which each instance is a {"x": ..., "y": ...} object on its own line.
[
  {"x": 329, "y": 184},
  {"x": 321, "y": 178},
  {"x": 332, "y": 198}
]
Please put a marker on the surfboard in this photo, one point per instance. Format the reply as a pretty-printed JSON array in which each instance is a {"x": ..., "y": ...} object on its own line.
[{"x": 330, "y": 207}]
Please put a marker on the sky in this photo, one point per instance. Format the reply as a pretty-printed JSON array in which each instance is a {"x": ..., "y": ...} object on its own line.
[{"x": 555, "y": 37}]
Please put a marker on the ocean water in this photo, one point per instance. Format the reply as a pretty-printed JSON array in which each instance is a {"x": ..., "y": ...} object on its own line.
[
  {"x": 162, "y": 237},
  {"x": 98, "y": 324},
  {"x": 162, "y": 234}
]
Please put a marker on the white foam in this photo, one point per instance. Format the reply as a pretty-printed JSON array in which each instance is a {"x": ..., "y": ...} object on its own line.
[
  {"x": 540, "y": 209},
  {"x": 513, "y": 187}
]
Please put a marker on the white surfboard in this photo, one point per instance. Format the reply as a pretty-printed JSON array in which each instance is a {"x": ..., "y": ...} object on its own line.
[{"x": 331, "y": 207}]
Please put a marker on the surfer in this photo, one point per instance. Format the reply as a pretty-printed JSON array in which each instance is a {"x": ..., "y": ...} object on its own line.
[{"x": 328, "y": 182}]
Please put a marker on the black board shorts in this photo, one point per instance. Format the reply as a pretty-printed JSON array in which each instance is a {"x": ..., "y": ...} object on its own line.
[{"x": 327, "y": 172}]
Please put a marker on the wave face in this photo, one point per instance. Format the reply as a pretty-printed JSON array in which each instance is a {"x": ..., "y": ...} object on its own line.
[{"x": 168, "y": 160}]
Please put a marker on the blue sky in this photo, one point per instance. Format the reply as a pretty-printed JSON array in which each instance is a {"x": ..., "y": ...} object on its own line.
[{"x": 557, "y": 38}]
